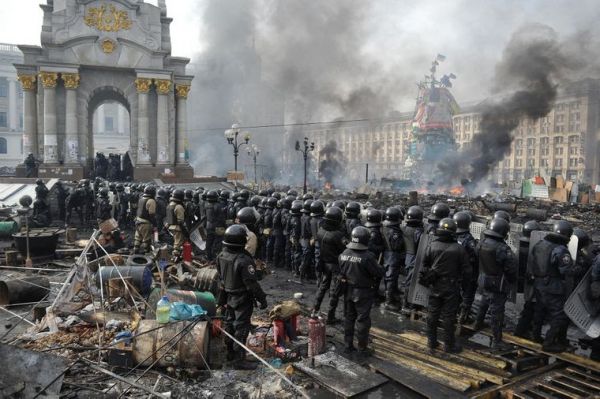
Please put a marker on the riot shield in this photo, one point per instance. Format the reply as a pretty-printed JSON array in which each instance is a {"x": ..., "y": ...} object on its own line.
[
  {"x": 584, "y": 311},
  {"x": 417, "y": 293},
  {"x": 198, "y": 236}
]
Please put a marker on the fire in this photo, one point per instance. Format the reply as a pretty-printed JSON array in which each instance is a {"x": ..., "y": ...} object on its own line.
[
  {"x": 328, "y": 186},
  {"x": 457, "y": 191}
]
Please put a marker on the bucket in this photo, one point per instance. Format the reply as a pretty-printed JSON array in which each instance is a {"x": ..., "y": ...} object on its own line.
[
  {"x": 152, "y": 343},
  {"x": 141, "y": 277},
  {"x": 30, "y": 289},
  {"x": 207, "y": 279},
  {"x": 8, "y": 228},
  {"x": 204, "y": 299}
]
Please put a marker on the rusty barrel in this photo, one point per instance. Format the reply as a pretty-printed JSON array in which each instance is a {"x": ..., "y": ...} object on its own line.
[
  {"x": 26, "y": 290},
  {"x": 152, "y": 343},
  {"x": 207, "y": 279}
]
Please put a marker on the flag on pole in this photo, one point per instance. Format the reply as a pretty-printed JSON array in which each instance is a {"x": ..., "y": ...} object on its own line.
[{"x": 440, "y": 58}]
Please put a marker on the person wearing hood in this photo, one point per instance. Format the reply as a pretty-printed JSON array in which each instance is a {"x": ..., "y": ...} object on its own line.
[{"x": 376, "y": 244}]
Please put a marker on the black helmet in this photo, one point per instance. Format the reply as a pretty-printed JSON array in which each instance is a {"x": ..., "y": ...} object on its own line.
[
  {"x": 446, "y": 227},
  {"x": 271, "y": 202},
  {"x": 255, "y": 201},
  {"x": 285, "y": 203},
  {"x": 112, "y": 186},
  {"x": 502, "y": 215},
  {"x": 392, "y": 217},
  {"x": 306, "y": 206},
  {"x": 308, "y": 196},
  {"x": 563, "y": 229},
  {"x": 224, "y": 195},
  {"x": 582, "y": 236},
  {"x": 360, "y": 239},
  {"x": 39, "y": 181},
  {"x": 414, "y": 214},
  {"x": 290, "y": 198},
  {"x": 528, "y": 228},
  {"x": 353, "y": 209},
  {"x": 59, "y": 182},
  {"x": 334, "y": 215},
  {"x": 340, "y": 204},
  {"x": 297, "y": 207},
  {"x": 150, "y": 190},
  {"x": 263, "y": 203},
  {"x": 104, "y": 193},
  {"x": 463, "y": 221},
  {"x": 235, "y": 236},
  {"x": 244, "y": 195},
  {"x": 373, "y": 218},
  {"x": 292, "y": 193},
  {"x": 276, "y": 195},
  {"x": 263, "y": 193},
  {"x": 178, "y": 195},
  {"x": 189, "y": 194},
  {"x": 197, "y": 196},
  {"x": 439, "y": 211},
  {"x": 120, "y": 188},
  {"x": 499, "y": 228},
  {"x": 212, "y": 196},
  {"x": 246, "y": 216},
  {"x": 317, "y": 208}
]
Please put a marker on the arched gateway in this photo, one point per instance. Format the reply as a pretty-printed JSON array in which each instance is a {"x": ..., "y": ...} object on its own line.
[{"x": 95, "y": 51}]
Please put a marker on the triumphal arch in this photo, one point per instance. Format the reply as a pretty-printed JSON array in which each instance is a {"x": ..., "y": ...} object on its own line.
[{"x": 94, "y": 51}]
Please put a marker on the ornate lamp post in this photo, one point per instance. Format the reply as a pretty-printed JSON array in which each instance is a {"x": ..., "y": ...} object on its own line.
[
  {"x": 254, "y": 151},
  {"x": 308, "y": 147},
  {"x": 232, "y": 138},
  {"x": 26, "y": 201}
]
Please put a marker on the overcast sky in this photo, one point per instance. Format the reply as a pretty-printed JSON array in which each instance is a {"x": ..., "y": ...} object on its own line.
[{"x": 470, "y": 33}]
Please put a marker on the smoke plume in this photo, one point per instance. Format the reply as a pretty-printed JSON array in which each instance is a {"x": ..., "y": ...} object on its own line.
[{"x": 331, "y": 167}]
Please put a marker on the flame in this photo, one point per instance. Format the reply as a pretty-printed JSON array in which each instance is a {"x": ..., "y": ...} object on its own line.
[
  {"x": 457, "y": 191},
  {"x": 328, "y": 186}
]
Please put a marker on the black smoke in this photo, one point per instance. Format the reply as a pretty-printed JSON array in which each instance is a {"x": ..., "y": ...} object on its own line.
[{"x": 331, "y": 165}]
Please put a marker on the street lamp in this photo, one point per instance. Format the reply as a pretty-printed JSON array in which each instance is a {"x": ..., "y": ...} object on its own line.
[
  {"x": 307, "y": 148},
  {"x": 25, "y": 201},
  {"x": 232, "y": 138},
  {"x": 254, "y": 151}
]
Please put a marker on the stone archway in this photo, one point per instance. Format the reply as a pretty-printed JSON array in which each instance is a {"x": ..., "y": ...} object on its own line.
[{"x": 84, "y": 60}]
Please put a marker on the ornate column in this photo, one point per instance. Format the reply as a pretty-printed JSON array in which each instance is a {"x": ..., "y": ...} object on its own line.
[
  {"x": 50, "y": 137},
  {"x": 163, "y": 88},
  {"x": 71, "y": 81},
  {"x": 143, "y": 151},
  {"x": 182, "y": 91},
  {"x": 30, "y": 144}
]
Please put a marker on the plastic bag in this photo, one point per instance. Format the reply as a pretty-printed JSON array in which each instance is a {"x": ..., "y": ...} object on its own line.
[{"x": 183, "y": 311}]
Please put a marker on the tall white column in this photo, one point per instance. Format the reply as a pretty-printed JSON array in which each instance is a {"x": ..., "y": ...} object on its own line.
[
  {"x": 163, "y": 88},
  {"x": 50, "y": 135},
  {"x": 71, "y": 81},
  {"x": 30, "y": 145},
  {"x": 143, "y": 151},
  {"x": 181, "y": 138},
  {"x": 13, "y": 112}
]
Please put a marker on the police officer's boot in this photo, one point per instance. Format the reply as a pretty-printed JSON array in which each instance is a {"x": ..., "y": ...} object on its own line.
[
  {"x": 389, "y": 301},
  {"x": 480, "y": 319},
  {"x": 464, "y": 316},
  {"x": 552, "y": 343},
  {"x": 497, "y": 342}
]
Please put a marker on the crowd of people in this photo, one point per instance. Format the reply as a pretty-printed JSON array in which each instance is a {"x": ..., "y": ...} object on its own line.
[{"x": 349, "y": 249}]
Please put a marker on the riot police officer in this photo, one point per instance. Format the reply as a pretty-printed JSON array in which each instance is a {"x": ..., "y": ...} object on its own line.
[
  {"x": 123, "y": 205},
  {"x": 286, "y": 206},
  {"x": 376, "y": 244},
  {"x": 439, "y": 211},
  {"x": 104, "y": 208},
  {"x": 90, "y": 200},
  {"x": 294, "y": 227},
  {"x": 175, "y": 221},
  {"x": 268, "y": 229},
  {"x": 61, "y": 197},
  {"x": 360, "y": 274},
  {"x": 278, "y": 239},
  {"x": 190, "y": 209},
  {"x": 332, "y": 243},
  {"x": 393, "y": 255},
  {"x": 239, "y": 289},
  {"x": 502, "y": 215},
  {"x": 41, "y": 191},
  {"x": 162, "y": 201},
  {"x": 411, "y": 233},
  {"x": 75, "y": 201},
  {"x": 317, "y": 210},
  {"x": 445, "y": 265},
  {"x": 305, "y": 236},
  {"x": 247, "y": 217},
  {"x": 41, "y": 214},
  {"x": 216, "y": 214},
  {"x": 548, "y": 264},
  {"x": 469, "y": 243},
  {"x": 497, "y": 274},
  {"x": 523, "y": 328},
  {"x": 145, "y": 221},
  {"x": 352, "y": 217}
]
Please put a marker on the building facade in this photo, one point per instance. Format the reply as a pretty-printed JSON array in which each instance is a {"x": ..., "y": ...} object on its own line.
[
  {"x": 566, "y": 142},
  {"x": 11, "y": 107}
]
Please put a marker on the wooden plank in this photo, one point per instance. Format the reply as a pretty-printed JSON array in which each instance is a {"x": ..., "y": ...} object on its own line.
[
  {"x": 569, "y": 385},
  {"x": 574, "y": 378},
  {"x": 412, "y": 380},
  {"x": 340, "y": 375}
]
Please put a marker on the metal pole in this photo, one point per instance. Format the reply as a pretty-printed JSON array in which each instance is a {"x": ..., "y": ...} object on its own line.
[
  {"x": 367, "y": 175},
  {"x": 305, "y": 158},
  {"x": 255, "y": 181}
]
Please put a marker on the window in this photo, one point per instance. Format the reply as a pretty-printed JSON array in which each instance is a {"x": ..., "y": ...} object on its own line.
[
  {"x": 3, "y": 120},
  {"x": 543, "y": 162},
  {"x": 572, "y": 162},
  {"x": 531, "y": 152},
  {"x": 3, "y": 87},
  {"x": 558, "y": 163},
  {"x": 558, "y": 151},
  {"x": 3, "y": 146},
  {"x": 530, "y": 142},
  {"x": 518, "y": 163},
  {"x": 558, "y": 140},
  {"x": 109, "y": 124},
  {"x": 544, "y": 141}
]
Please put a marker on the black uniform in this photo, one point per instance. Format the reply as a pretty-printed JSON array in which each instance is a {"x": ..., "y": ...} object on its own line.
[
  {"x": 411, "y": 234},
  {"x": 41, "y": 214},
  {"x": 445, "y": 264},
  {"x": 393, "y": 258},
  {"x": 190, "y": 213},
  {"x": 376, "y": 244},
  {"x": 75, "y": 201},
  {"x": 161, "y": 212},
  {"x": 523, "y": 328},
  {"x": 61, "y": 197},
  {"x": 215, "y": 228},
  {"x": 90, "y": 204},
  {"x": 549, "y": 262},
  {"x": 239, "y": 290},
  {"x": 332, "y": 243},
  {"x": 294, "y": 226},
  {"x": 103, "y": 210},
  {"x": 360, "y": 273},
  {"x": 469, "y": 286},
  {"x": 287, "y": 244},
  {"x": 432, "y": 226},
  {"x": 350, "y": 224},
  {"x": 306, "y": 264},
  {"x": 595, "y": 295},
  {"x": 268, "y": 234},
  {"x": 123, "y": 199},
  {"x": 497, "y": 274},
  {"x": 315, "y": 224},
  {"x": 277, "y": 239}
]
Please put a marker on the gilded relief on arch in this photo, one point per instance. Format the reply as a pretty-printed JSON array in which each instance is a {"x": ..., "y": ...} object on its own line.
[{"x": 107, "y": 19}]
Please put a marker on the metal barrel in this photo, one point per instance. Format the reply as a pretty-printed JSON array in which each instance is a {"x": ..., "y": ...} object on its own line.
[
  {"x": 190, "y": 351},
  {"x": 207, "y": 279},
  {"x": 8, "y": 228},
  {"x": 140, "y": 260},
  {"x": 537, "y": 214},
  {"x": 141, "y": 276},
  {"x": 26, "y": 290},
  {"x": 205, "y": 299}
]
